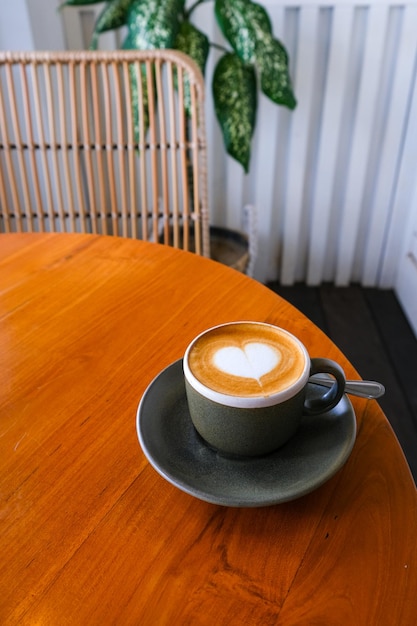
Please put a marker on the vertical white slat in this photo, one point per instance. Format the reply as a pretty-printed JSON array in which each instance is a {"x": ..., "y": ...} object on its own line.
[
  {"x": 332, "y": 121},
  {"x": 46, "y": 24},
  {"x": 392, "y": 145},
  {"x": 406, "y": 280},
  {"x": 78, "y": 24},
  {"x": 16, "y": 31},
  {"x": 361, "y": 141},
  {"x": 402, "y": 206},
  {"x": 203, "y": 18},
  {"x": 265, "y": 163},
  {"x": 300, "y": 131},
  {"x": 72, "y": 20},
  {"x": 263, "y": 173},
  {"x": 236, "y": 181}
]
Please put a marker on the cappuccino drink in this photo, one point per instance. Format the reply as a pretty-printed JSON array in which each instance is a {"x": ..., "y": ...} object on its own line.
[
  {"x": 247, "y": 360},
  {"x": 247, "y": 386}
]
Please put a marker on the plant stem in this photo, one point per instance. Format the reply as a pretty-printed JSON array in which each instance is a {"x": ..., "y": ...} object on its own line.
[
  {"x": 194, "y": 6},
  {"x": 218, "y": 47}
]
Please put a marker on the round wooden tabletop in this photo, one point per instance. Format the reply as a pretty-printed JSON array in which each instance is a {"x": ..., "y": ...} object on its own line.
[{"x": 91, "y": 534}]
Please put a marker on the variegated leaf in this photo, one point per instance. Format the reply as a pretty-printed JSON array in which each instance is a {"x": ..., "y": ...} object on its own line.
[
  {"x": 272, "y": 61},
  {"x": 153, "y": 24},
  {"x": 234, "y": 92},
  {"x": 139, "y": 91},
  {"x": 244, "y": 24},
  {"x": 194, "y": 43},
  {"x": 114, "y": 15}
]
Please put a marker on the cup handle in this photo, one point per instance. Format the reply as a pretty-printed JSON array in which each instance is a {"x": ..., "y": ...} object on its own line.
[{"x": 331, "y": 396}]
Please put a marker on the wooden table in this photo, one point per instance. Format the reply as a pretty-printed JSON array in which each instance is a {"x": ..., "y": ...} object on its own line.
[{"x": 91, "y": 534}]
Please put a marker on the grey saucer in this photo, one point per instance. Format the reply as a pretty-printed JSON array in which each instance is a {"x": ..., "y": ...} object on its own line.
[{"x": 320, "y": 447}]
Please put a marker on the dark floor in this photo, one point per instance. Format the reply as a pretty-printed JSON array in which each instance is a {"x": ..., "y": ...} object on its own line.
[{"x": 369, "y": 326}]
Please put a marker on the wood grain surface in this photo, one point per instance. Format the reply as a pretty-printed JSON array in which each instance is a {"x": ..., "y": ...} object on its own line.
[{"x": 89, "y": 531}]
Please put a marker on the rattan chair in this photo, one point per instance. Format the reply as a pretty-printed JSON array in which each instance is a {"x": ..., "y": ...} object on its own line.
[{"x": 104, "y": 142}]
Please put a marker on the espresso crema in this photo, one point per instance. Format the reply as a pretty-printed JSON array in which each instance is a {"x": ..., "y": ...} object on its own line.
[{"x": 247, "y": 360}]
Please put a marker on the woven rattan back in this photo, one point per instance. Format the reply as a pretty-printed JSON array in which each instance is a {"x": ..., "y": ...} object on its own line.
[{"x": 104, "y": 142}]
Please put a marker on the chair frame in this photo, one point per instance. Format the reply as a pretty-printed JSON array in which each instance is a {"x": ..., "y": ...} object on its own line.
[{"x": 34, "y": 158}]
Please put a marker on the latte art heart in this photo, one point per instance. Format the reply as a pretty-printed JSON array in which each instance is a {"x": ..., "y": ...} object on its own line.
[{"x": 254, "y": 360}]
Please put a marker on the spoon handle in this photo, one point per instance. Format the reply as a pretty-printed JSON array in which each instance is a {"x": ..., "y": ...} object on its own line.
[{"x": 361, "y": 388}]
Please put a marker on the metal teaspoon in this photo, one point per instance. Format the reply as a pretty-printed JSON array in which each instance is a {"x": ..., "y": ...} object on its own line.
[{"x": 361, "y": 388}]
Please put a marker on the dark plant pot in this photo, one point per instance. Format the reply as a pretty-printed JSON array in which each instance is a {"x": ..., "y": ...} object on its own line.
[{"x": 229, "y": 247}]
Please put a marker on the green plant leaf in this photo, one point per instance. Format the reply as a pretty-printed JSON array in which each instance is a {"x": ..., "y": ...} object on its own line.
[
  {"x": 244, "y": 24},
  {"x": 194, "y": 43},
  {"x": 153, "y": 23},
  {"x": 134, "y": 88},
  {"x": 272, "y": 62},
  {"x": 247, "y": 27},
  {"x": 235, "y": 102},
  {"x": 113, "y": 15}
]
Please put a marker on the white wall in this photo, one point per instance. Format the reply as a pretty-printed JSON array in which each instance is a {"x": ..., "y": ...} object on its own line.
[
  {"x": 31, "y": 25},
  {"x": 15, "y": 26}
]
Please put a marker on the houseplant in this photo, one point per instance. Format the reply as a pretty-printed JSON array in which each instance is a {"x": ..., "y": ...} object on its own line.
[{"x": 255, "y": 61}]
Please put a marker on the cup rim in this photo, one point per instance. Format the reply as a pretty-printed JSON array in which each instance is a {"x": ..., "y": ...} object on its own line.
[{"x": 248, "y": 402}]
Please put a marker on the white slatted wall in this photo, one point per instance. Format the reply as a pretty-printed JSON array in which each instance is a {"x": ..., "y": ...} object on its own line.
[{"x": 333, "y": 181}]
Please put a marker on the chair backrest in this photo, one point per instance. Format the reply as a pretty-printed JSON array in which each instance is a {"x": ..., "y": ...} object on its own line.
[{"x": 104, "y": 142}]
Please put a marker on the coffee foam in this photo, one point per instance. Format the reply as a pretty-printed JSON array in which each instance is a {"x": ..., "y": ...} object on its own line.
[{"x": 247, "y": 360}]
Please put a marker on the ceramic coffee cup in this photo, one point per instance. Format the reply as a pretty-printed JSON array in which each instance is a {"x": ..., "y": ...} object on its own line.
[{"x": 246, "y": 386}]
